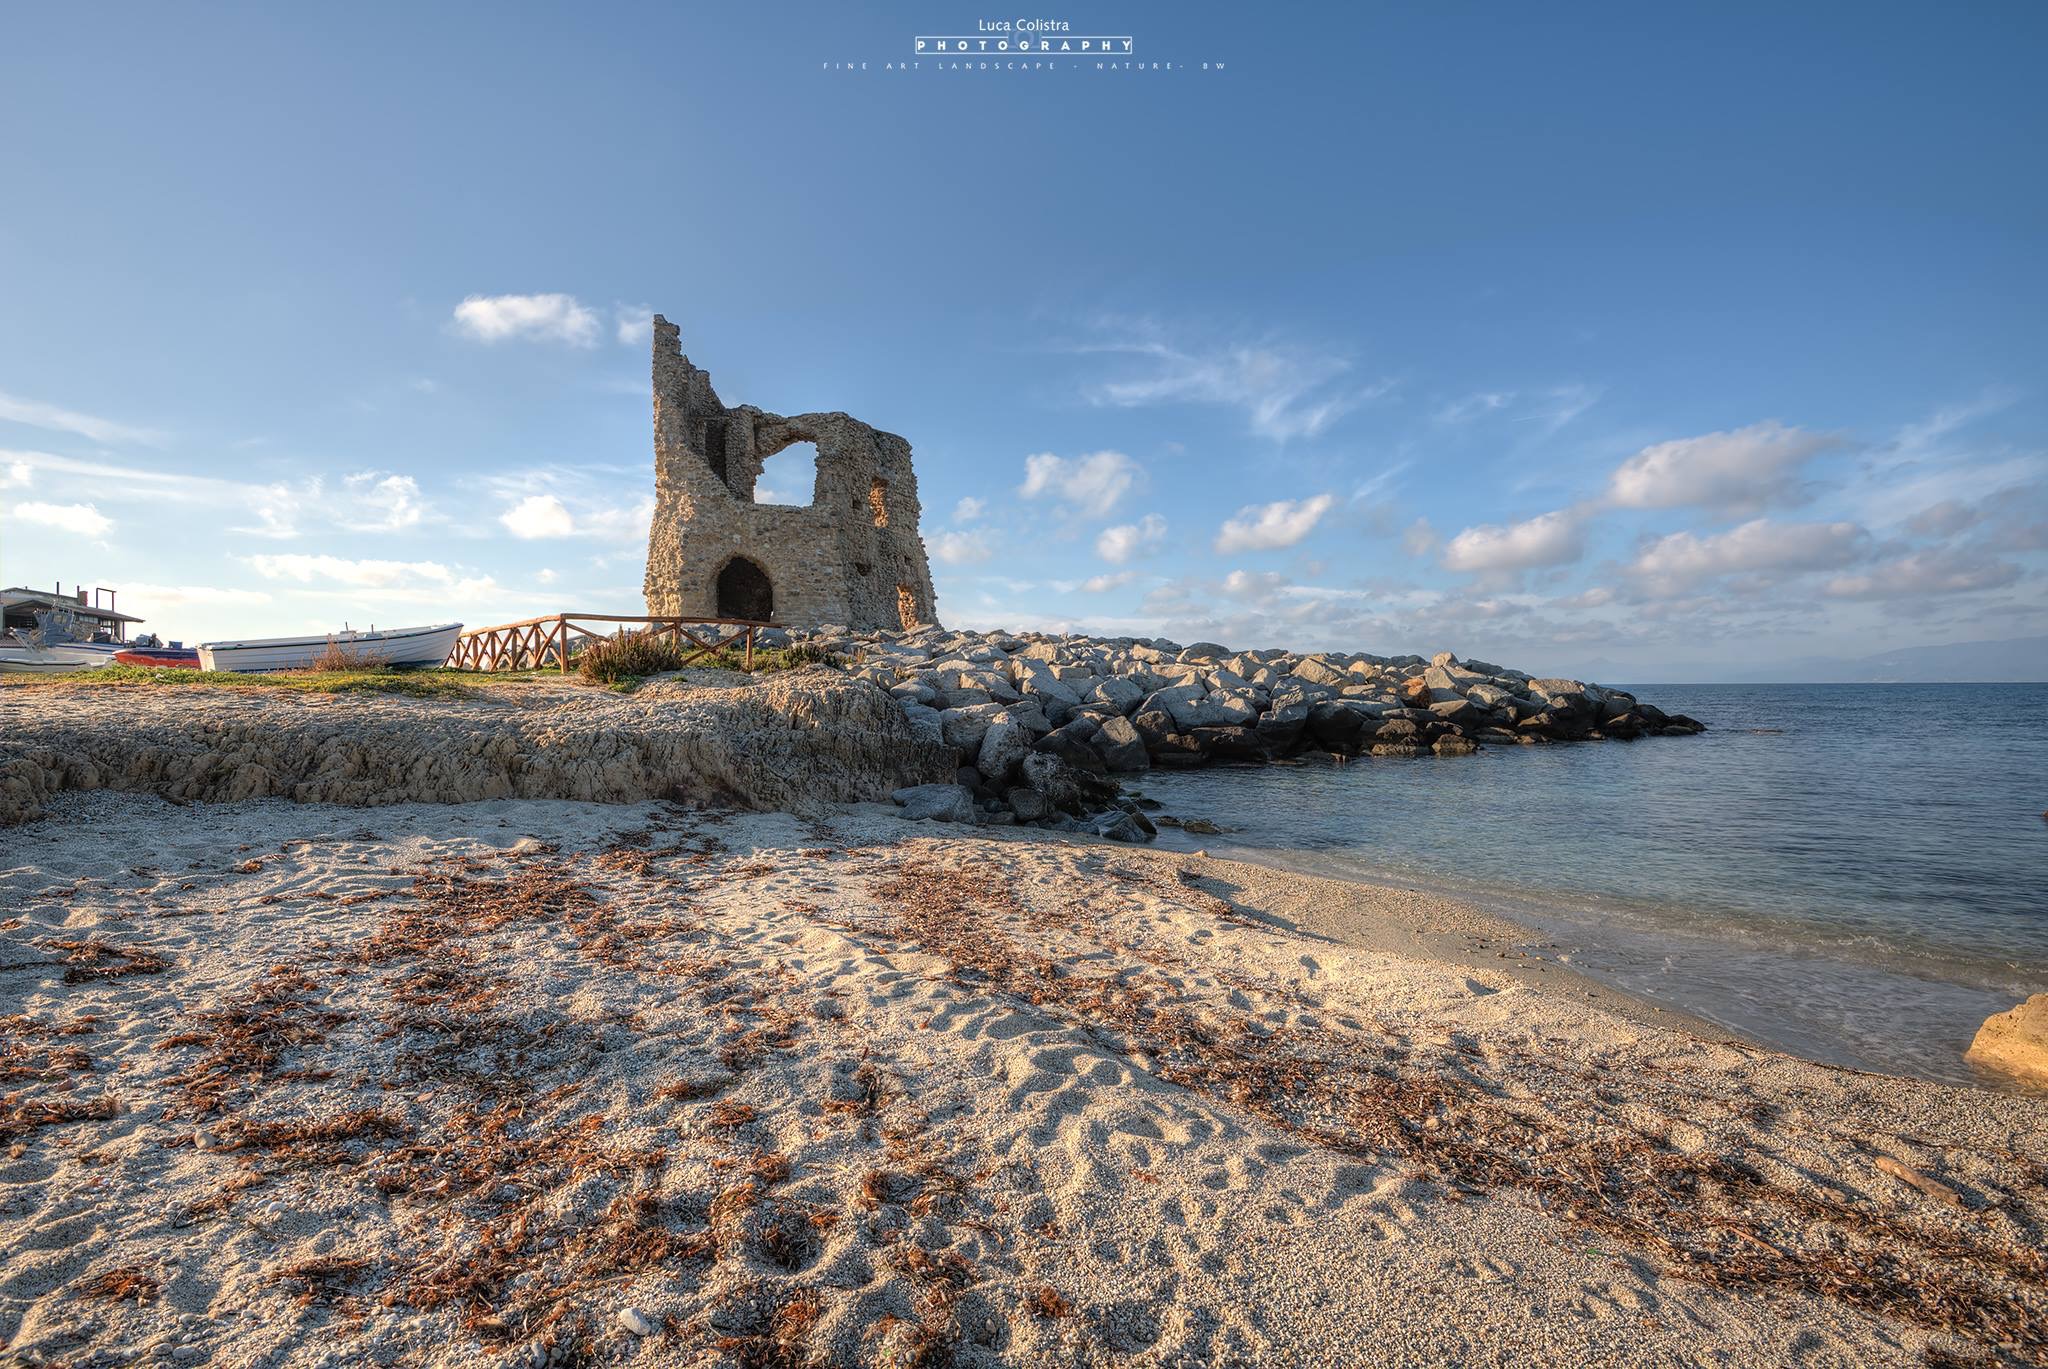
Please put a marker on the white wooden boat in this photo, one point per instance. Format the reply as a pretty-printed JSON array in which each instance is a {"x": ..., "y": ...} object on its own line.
[
  {"x": 58, "y": 658},
  {"x": 401, "y": 648}
]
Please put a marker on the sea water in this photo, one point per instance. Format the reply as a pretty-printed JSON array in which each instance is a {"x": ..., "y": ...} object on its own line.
[{"x": 1855, "y": 873}]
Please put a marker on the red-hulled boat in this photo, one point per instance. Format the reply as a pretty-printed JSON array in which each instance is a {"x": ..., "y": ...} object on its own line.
[{"x": 176, "y": 658}]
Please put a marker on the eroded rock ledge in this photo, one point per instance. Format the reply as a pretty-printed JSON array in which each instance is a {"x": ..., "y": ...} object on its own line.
[{"x": 793, "y": 743}]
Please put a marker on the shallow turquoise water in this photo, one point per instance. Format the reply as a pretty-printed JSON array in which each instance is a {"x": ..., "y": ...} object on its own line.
[{"x": 1858, "y": 873}]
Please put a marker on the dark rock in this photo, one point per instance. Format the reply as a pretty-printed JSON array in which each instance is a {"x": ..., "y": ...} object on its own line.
[
  {"x": 935, "y": 803},
  {"x": 1462, "y": 711},
  {"x": 1029, "y": 805},
  {"x": 1120, "y": 746},
  {"x": 1336, "y": 727},
  {"x": 1118, "y": 825},
  {"x": 1283, "y": 727},
  {"x": 1178, "y": 749},
  {"x": 1062, "y": 742},
  {"x": 1230, "y": 743},
  {"x": 1153, "y": 725},
  {"x": 1138, "y": 816},
  {"x": 1066, "y": 787},
  {"x": 1454, "y": 746}
]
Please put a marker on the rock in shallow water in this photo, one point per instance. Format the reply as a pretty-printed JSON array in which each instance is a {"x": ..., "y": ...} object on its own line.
[{"x": 2016, "y": 1041}]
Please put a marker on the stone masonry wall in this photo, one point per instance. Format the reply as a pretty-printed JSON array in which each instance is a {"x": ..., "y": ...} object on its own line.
[{"x": 853, "y": 556}]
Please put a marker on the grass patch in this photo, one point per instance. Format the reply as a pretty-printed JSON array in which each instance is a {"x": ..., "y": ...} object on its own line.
[
  {"x": 424, "y": 684},
  {"x": 624, "y": 659},
  {"x": 619, "y": 662}
]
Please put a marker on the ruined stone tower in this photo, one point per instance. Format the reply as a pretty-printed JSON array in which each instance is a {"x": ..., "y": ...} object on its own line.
[{"x": 851, "y": 556}]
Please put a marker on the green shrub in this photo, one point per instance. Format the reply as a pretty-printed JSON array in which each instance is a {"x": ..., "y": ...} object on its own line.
[{"x": 628, "y": 655}]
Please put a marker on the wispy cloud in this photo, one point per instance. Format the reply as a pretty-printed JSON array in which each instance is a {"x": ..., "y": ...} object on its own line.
[
  {"x": 36, "y": 414},
  {"x": 532, "y": 318},
  {"x": 1679, "y": 562},
  {"x": 1926, "y": 573},
  {"x": 1286, "y": 391},
  {"x": 370, "y": 574},
  {"x": 366, "y": 501}
]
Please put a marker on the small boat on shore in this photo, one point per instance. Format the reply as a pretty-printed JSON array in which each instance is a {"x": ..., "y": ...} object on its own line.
[
  {"x": 170, "y": 657},
  {"x": 398, "y": 648},
  {"x": 56, "y": 658}
]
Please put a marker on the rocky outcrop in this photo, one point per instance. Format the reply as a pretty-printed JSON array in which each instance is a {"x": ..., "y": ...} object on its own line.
[
  {"x": 795, "y": 742},
  {"x": 2015, "y": 1042},
  {"x": 1041, "y": 724},
  {"x": 1146, "y": 702}
]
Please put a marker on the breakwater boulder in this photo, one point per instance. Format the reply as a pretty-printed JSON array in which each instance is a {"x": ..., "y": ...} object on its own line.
[
  {"x": 794, "y": 742},
  {"x": 1057, "y": 717}
]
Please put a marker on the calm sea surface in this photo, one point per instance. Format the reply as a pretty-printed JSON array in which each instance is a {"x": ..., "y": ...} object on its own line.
[{"x": 1857, "y": 873}]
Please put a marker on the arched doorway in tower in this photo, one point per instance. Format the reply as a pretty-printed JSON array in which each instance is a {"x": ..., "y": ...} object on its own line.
[{"x": 744, "y": 591}]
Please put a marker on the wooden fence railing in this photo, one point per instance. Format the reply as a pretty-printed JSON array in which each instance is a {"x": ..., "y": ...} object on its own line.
[{"x": 555, "y": 640}]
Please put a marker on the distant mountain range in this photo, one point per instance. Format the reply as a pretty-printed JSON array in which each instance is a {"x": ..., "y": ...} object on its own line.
[{"x": 2013, "y": 659}]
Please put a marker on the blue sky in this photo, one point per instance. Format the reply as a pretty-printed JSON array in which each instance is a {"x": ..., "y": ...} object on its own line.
[{"x": 1655, "y": 341}]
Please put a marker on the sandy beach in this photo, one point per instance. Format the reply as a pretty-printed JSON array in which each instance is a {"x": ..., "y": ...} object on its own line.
[{"x": 532, "y": 1082}]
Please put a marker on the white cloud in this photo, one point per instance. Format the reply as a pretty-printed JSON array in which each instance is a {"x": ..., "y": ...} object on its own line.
[
  {"x": 539, "y": 515},
  {"x": 1093, "y": 484},
  {"x": 1102, "y": 584},
  {"x": 416, "y": 577},
  {"x": 1265, "y": 527},
  {"x": 1549, "y": 539},
  {"x": 368, "y": 501},
  {"x": 633, "y": 324},
  {"x": 962, "y": 548},
  {"x": 83, "y": 519},
  {"x": 1758, "y": 545},
  {"x": 544, "y": 576},
  {"x": 377, "y": 501},
  {"x": 14, "y": 473},
  {"x": 535, "y": 318},
  {"x": 1119, "y": 544},
  {"x": 147, "y": 600},
  {"x": 37, "y": 414},
  {"x": 1286, "y": 392},
  {"x": 969, "y": 509},
  {"x": 1739, "y": 471},
  {"x": 1260, "y": 584},
  {"x": 1923, "y": 574},
  {"x": 536, "y": 511}
]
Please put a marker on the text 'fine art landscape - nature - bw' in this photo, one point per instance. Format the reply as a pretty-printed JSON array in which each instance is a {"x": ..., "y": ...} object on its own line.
[{"x": 1437, "y": 759}]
